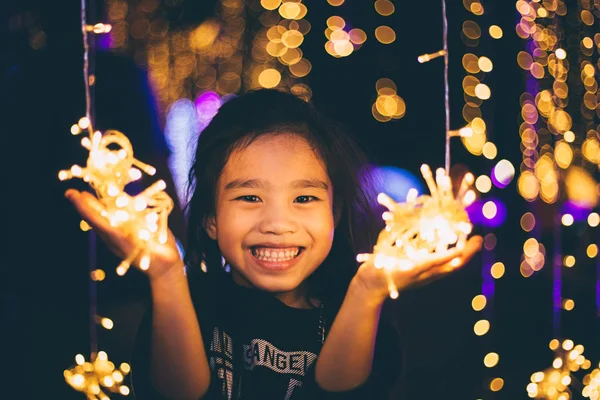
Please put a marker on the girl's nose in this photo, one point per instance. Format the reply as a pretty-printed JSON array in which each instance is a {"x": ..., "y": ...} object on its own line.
[{"x": 278, "y": 220}]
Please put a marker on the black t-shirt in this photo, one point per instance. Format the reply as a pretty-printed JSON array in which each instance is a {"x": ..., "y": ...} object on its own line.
[{"x": 259, "y": 348}]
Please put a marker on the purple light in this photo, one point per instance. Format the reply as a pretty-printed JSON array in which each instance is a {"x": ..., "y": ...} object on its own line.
[
  {"x": 578, "y": 211},
  {"x": 105, "y": 41},
  {"x": 477, "y": 217},
  {"x": 488, "y": 286},
  {"x": 598, "y": 295},
  {"x": 474, "y": 212},
  {"x": 495, "y": 181},
  {"x": 394, "y": 181},
  {"x": 207, "y": 106}
]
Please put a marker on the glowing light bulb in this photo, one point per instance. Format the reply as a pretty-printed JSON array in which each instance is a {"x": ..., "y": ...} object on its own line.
[{"x": 428, "y": 57}]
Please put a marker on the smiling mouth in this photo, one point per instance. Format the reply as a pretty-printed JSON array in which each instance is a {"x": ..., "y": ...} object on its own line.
[{"x": 270, "y": 254}]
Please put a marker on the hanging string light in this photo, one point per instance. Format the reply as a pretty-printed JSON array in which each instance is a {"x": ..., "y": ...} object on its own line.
[
  {"x": 428, "y": 225},
  {"x": 110, "y": 167}
]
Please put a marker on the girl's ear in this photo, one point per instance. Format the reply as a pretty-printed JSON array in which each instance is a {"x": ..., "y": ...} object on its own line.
[{"x": 210, "y": 226}]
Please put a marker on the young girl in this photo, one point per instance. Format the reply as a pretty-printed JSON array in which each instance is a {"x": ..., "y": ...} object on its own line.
[{"x": 277, "y": 195}]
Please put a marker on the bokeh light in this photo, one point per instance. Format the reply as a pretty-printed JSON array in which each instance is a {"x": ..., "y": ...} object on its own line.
[
  {"x": 478, "y": 303},
  {"x": 593, "y": 219},
  {"x": 385, "y": 34},
  {"x": 569, "y": 261},
  {"x": 269, "y": 78},
  {"x": 503, "y": 173},
  {"x": 592, "y": 250},
  {"x": 496, "y": 32},
  {"x": 384, "y": 7},
  {"x": 528, "y": 222},
  {"x": 490, "y": 151},
  {"x": 491, "y": 360},
  {"x": 483, "y": 184},
  {"x": 481, "y": 327},
  {"x": 497, "y": 384},
  {"x": 497, "y": 270}
]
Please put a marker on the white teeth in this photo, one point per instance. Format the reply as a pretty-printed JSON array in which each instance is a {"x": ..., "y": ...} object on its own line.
[{"x": 275, "y": 256}]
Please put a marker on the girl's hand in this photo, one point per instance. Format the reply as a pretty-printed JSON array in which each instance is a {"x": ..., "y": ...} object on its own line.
[
  {"x": 163, "y": 257},
  {"x": 374, "y": 283}
]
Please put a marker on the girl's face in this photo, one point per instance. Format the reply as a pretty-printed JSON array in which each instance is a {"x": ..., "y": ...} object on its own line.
[{"x": 274, "y": 215}]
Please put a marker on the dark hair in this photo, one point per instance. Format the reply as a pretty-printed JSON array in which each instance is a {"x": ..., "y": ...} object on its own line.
[{"x": 242, "y": 120}]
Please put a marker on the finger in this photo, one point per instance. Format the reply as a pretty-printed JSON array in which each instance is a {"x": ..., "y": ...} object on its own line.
[
  {"x": 437, "y": 259},
  {"x": 436, "y": 273},
  {"x": 472, "y": 246},
  {"x": 89, "y": 208}
]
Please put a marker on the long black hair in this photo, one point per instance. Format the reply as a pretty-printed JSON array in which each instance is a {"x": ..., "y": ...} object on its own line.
[{"x": 238, "y": 123}]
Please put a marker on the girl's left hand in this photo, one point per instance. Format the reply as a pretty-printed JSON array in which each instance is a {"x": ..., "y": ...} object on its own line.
[{"x": 375, "y": 281}]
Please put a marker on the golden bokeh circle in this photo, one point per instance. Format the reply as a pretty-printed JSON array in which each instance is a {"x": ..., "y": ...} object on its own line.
[{"x": 385, "y": 34}]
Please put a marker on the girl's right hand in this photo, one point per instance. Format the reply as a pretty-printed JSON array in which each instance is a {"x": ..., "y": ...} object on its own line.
[{"x": 163, "y": 257}]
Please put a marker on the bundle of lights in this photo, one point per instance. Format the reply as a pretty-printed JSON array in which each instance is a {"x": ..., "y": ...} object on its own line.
[
  {"x": 91, "y": 378},
  {"x": 592, "y": 384},
  {"x": 423, "y": 227},
  {"x": 554, "y": 383},
  {"x": 110, "y": 167}
]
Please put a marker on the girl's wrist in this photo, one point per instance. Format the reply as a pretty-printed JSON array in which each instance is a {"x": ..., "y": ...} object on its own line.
[
  {"x": 170, "y": 278},
  {"x": 371, "y": 297}
]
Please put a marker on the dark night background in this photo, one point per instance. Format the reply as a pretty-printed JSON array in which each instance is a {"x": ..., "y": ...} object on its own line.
[{"x": 45, "y": 280}]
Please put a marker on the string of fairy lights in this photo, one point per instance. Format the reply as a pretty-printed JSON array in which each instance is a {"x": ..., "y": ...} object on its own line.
[
  {"x": 559, "y": 142},
  {"x": 110, "y": 167}
]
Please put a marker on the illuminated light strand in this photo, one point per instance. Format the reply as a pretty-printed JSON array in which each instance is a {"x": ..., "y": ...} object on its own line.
[
  {"x": 108, "y": 171},
  {"x": 94, "y": 378},
  {"x": 423, "y": 227}
]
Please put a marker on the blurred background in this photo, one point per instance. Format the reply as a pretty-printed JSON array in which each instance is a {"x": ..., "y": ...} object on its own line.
[{"x": 522, "y": 79}]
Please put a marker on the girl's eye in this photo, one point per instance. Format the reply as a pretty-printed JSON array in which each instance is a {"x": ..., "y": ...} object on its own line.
[
  {"x": 249, "y": 199},
  {"x": 305, "y": 199}
]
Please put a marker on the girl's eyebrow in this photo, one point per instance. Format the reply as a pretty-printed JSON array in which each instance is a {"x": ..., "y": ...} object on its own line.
[{"x": 258, "y": 184}]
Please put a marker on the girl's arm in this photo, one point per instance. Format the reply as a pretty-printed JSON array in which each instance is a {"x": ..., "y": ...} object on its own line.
[
  {"x": 347, "y": 355},
  {"x": 179, "y": 368},
  {"x": 346, "y": 358},
  {"x": 178, "y": 365}
]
